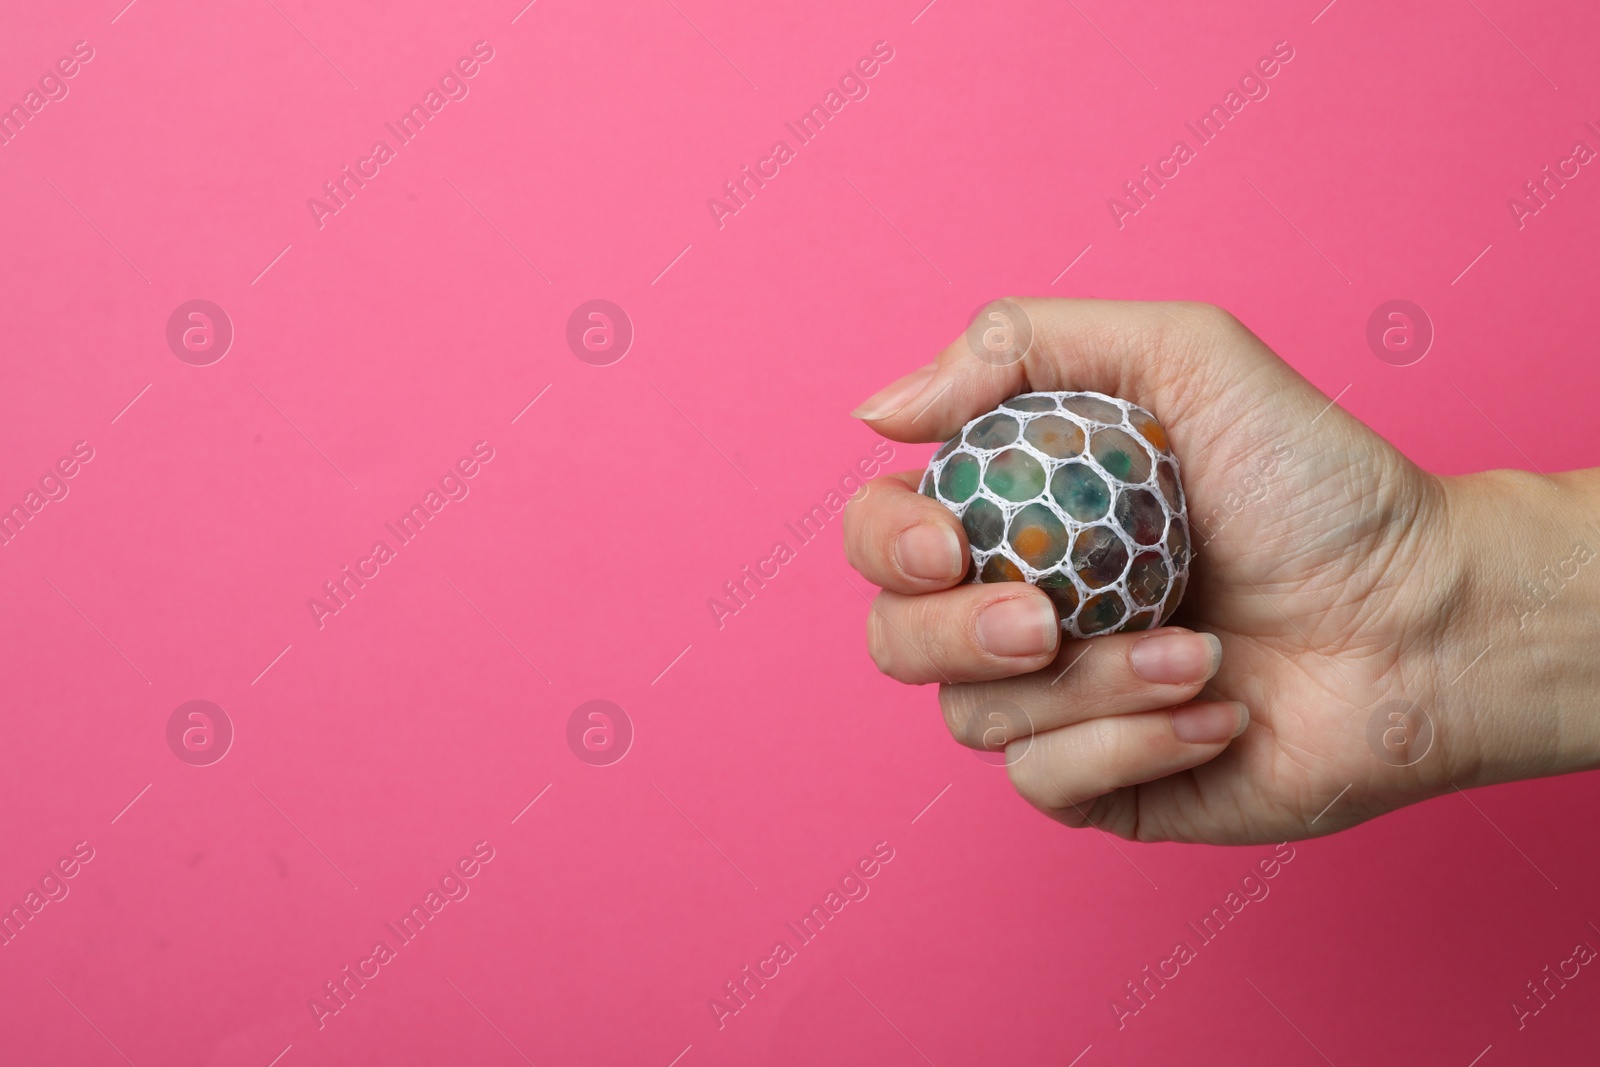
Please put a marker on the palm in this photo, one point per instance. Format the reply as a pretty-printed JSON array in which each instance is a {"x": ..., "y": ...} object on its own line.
[{"x": 1299, "y": 531}]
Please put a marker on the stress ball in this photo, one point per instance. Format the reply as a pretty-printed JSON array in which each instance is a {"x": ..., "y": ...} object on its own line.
[{"x": 1078, "y": 494}]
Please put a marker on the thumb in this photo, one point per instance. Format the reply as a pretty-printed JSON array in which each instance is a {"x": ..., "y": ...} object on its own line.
[{"x": 1166, "y": 357}]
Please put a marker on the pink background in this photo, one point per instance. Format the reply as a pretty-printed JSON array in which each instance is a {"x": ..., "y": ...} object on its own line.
[{"x": 768, "y": 755}]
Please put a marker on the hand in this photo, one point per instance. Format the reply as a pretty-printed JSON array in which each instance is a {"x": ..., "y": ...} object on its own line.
[{"x": 1333, "y": 582}]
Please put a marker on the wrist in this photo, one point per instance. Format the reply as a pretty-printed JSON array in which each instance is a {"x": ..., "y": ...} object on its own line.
[{"x": 1515, "y": 689}]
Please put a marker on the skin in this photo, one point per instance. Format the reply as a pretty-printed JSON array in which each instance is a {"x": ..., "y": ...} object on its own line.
[{"x": 1337, "y": 575}]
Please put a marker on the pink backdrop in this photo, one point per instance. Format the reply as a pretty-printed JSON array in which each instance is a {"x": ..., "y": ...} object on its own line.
[{"x": 379, "y": 340}]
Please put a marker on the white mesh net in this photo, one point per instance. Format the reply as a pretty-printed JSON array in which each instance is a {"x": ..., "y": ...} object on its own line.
[{"x": 1077, "y": 493}]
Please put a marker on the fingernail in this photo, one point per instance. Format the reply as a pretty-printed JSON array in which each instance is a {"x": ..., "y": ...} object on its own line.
[
  {"x": 1210, "y": 724},
  {"x": 1020, "y": 626},
  {"x": 1176, "y": 658},
  {"x": 890, "y": 400},
  {"x": 929, "y": 550}
]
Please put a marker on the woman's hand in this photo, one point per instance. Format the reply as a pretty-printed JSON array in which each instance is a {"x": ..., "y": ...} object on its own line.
[{"x": 1314, "y": 677}]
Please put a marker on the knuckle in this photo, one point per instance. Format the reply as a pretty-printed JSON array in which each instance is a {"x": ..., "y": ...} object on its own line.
[
  {"x": 1184, "y": 332},
  {"x": 1066, "y": 777},
  {"x": 1207, "y": 317},
  {"x": 874, "y": 489},
  {"x": 858, "y": 524},
  {"x": 977, "y": 718},
  {"x": 1211, "y": 329},
  {"x": 852, "y": 519},
  {"x": 877, "y": 643},
  {"x": 889, "y": 642},
  {"x": 930, "y": 626},
  {"x": 955, "y": 703},
  {"x": 1088, "y": 812},
  {"x": 1033, "y": 782},
  {"x": 852, "y": 551}
]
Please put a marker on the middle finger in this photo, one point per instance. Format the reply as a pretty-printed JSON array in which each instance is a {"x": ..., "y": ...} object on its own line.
[
  {"x": 970, "y": 633},
  {"x": 1118, "y": 674}
]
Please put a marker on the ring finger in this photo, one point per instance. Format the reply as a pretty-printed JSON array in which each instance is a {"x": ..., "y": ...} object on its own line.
[{"x": 1119, "y": 674}]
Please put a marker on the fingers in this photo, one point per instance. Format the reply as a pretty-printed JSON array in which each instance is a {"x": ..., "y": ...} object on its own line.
[
  {"x": 1146, "y": 351},
  {"x": 1061, "y": 771},
  {"x": 901, "y": 540},
  {"x": 1120, "y": 674},
  {"x": 969, "y": 633}
]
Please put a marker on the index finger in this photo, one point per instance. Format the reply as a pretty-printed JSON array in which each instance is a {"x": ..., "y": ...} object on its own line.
[{"x": 901, "y": 540}]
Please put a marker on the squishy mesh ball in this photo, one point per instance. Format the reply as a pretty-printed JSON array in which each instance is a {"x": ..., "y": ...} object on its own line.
[{"x": 1078, "y": 494}]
